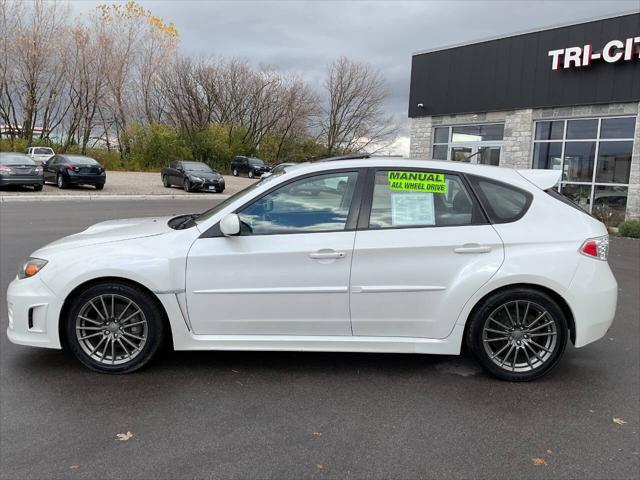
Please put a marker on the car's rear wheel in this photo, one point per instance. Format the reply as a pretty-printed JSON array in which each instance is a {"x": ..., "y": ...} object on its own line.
[
  {"x": 37, "y": 188},
  {"x": 235, "y": 172},
  {"x": 99, "y": 186},
  {"x": 60, "y": 181},
  {"x": 114, "y": 327},
  {"x": 518, "y": 334},
  {"x": 165, "y": 181},
  {"x": 250, "y": 173}
]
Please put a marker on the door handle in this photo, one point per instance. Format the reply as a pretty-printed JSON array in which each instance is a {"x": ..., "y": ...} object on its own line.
[
  {"x": 472, "y": 248},
  {"x": 326, "y": 254}
]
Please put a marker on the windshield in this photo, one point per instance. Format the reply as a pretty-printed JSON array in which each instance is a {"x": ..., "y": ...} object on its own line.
[
  {"x": 43, "y": 151},
  {"x": 204, "y": 216},
  {"x": 256, "y": 161},
  {"x": 15, "y": 159},
  {"x": 196, "y": 167}
]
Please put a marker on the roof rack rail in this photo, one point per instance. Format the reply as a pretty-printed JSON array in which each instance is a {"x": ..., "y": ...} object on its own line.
[{"x": 351, "y": 156}]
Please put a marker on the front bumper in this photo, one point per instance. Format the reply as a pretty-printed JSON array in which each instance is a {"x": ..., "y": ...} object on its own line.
[
  {"x": 592, "y": 297},
  {"x": 21, "y": 180},
  {"x": 33, "y": 311},
  {"x": 208, "y": 185}
]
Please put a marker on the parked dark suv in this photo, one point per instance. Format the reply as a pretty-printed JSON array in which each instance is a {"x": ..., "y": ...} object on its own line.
[
  {"x": 192, "y": 176},
  {"x": 250, "y": 166},
  {"x": 66, "y": 170}
]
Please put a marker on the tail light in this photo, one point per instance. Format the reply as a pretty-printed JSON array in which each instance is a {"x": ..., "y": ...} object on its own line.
[
  {"x": 4, "y": 168},
  {"x": 596, "y": 248},
  {"x": 71, "y": 167}
]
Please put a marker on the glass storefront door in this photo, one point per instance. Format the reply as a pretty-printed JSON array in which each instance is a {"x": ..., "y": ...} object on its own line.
[{"x": 485, "y": 155}]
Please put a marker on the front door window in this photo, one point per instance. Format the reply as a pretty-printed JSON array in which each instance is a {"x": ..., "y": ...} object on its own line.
[{"x": 315, "y": 204}]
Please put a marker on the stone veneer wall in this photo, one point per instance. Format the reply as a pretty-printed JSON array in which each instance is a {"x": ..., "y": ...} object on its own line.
[{"x": 518, "y": 136}]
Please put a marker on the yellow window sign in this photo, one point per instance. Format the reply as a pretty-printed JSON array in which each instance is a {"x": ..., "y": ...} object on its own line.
[{"x": 417, "y": 182}]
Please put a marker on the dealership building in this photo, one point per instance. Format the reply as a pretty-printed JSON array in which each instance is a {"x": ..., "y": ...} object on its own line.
[{"x": 563, "y": 98}]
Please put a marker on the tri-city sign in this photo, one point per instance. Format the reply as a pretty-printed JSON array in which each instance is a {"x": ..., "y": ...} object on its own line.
[{"x": 613, "y": 52}]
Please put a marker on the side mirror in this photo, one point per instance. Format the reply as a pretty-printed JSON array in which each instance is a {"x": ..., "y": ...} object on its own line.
[{"x": 230, "y": 225}]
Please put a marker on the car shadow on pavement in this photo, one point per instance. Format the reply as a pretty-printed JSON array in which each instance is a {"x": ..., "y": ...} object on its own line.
[{"x": 206, "y": 363}]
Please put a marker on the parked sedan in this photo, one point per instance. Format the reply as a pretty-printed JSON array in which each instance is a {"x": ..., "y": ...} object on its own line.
[
  {"x": 192, "y": 176},
  {"x": 19, "y": 169},
  {"x": 249, "y": 166},
  {"x": 39, "y": 154},
  {"x": 66, "y": 170},
  {"x": 389, "y": 256}
]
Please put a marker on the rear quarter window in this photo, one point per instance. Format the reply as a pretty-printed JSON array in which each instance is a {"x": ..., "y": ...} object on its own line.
[{"x": 503, "y": 203}]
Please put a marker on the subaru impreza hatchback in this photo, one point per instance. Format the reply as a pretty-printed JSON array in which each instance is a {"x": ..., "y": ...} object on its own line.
[{"x": 373, "y": 255}]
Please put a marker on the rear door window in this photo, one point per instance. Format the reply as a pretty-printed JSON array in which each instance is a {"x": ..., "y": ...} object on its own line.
[
  {"x": 420, "y": 199},
  {"x": 503, "y": 203}
]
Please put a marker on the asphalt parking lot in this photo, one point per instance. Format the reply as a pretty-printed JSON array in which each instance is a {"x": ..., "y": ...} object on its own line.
[
  {"x": 309, "y": 415},
  {"x": 125, "y": 183}
]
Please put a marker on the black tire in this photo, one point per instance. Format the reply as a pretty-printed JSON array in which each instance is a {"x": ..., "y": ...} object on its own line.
[
  {"x": 186, "y": 185},
  {"x": 37, "y": 188},
  {"x": 219, "y": 190},
  {"x": 154, "y": 327},
  {"x": 250, "y": 174},
  {"x": 165, "y": 182},
  {"x": 99, "y": 186},
  {"x": 517, "y": 339},
  {"x": 235, "y": 172},
  {"x": 60, "y": 181}
]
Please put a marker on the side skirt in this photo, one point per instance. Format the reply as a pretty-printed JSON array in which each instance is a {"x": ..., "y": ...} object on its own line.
[{"x": 183, "y": 339}]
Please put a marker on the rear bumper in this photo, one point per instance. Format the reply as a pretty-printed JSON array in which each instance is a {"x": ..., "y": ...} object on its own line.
[
  {"x": 33, "y": 312},
  {"x": 86, "y": 179},
  {"x": 592, "y": 297},
  {"x": 21, "y": 180}
]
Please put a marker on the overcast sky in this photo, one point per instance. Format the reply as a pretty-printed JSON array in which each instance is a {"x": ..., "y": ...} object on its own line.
[{"x": 304, "y": 36}]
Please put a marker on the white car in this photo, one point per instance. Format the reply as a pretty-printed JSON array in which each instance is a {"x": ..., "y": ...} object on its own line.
[
  {"x": 374, "y": 255},
  {"x": 40, "y": 154}
]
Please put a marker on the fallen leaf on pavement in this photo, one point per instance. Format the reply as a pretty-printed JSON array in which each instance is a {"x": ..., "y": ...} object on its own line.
[
  {"x": 549, "y": 452},
  {"x": 319, "y": 466},
  {"x": 619, "y": 421},
  {"x": 538, "y": 461},
  {"x": 317, "y": 434},
  {"x": 123, "y": 437},
  {"x": 74, "y": 466}
]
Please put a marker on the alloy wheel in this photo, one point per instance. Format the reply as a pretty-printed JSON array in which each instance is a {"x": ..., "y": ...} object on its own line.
[
  {"x": 520, "y": 336},
  {"x": 111, "y": 329}
]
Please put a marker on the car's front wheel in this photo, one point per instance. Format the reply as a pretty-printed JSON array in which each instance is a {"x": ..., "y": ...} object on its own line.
[
  {"x": 114, "y": 327},
  {"x": 235, "y": 172},
  {"x": 186, "y": 185},
  {"x": 518, "y": 334},
  {"x": 37, "y": 188},
  {"x": 251, "y": 174}
]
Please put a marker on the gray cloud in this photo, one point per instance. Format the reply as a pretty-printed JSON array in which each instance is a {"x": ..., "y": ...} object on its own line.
[{"x": 304, "y": 36}]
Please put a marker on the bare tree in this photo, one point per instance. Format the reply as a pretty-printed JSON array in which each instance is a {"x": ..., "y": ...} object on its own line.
[
  {"x": 33, "y": 72},
  {"x": 354, "y": 119}
]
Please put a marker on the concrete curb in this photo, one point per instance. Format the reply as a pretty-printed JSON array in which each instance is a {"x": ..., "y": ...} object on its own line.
[{"x": 71, "y": 198}]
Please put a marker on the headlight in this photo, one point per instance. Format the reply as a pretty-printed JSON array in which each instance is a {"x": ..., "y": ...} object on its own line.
[{"x": 31, "y": 267}]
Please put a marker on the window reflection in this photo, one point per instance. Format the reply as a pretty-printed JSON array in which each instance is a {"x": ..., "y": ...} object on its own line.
[
  {"x": 578, "y": 161},
  {"x": 614, "y": 162}
]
